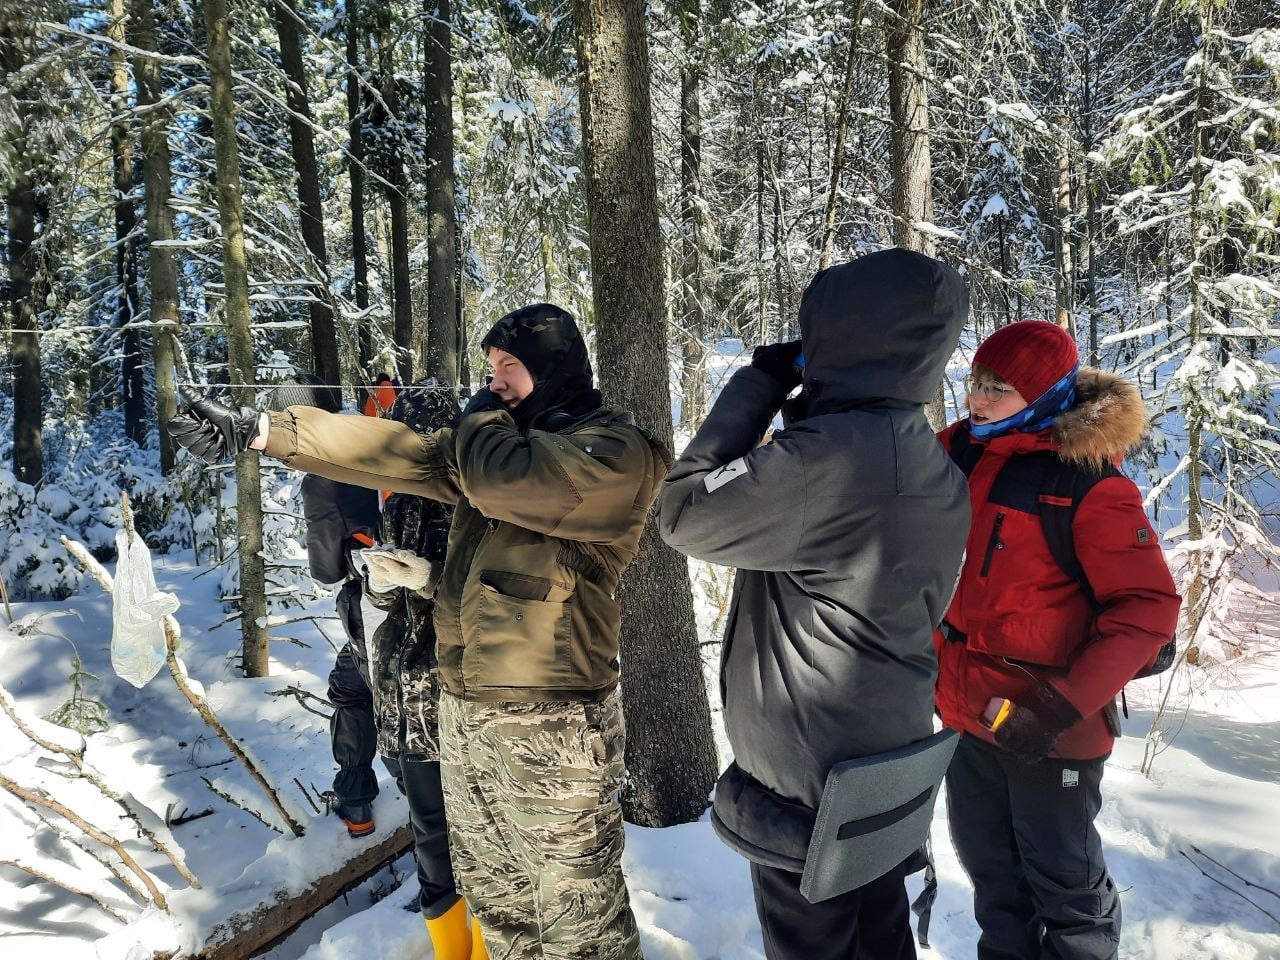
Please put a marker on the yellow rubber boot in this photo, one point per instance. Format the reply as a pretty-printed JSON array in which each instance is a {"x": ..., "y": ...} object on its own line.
[
  {"x": 451, "y": 933},
  {"x": 478, "y": 950}
]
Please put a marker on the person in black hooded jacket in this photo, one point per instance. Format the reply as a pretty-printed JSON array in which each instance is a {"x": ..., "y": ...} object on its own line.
[{"x": 847, "y": 530}]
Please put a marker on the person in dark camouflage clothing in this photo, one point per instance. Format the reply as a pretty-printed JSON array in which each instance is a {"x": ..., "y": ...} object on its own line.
[
  {"x": 341, "y": 519},
  {"x": 401, "y": 644}
]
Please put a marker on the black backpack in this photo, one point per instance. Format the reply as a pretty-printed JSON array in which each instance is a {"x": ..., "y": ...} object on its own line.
[{"x": 1060, "y": 487}]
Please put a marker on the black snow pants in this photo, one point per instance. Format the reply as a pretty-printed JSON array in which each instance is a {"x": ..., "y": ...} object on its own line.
[
  {"x": 1024, "y": 833},
  {"x": 355, "y": 737},
  {"x": 419, "y": 781},
  {"x": 355, "y": 741},
  {"x": 872, "y": 922}
]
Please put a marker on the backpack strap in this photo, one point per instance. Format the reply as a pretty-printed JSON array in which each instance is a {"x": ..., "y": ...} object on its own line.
[{"x": 1064, "y": 486}]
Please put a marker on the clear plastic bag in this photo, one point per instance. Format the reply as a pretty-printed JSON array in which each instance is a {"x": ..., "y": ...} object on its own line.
[{"x": 138, "y": 610}]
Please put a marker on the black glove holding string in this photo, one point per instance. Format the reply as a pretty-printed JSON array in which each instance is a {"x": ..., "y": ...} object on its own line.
[
  {"x": 778, "y": 360},
  {"x": 211, "y": 430},
  {"x": 1031, "y": 729}
]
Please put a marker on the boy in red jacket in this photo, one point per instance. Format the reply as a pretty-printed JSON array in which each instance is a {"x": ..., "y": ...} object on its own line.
[{"x": 1029, "y": 663}]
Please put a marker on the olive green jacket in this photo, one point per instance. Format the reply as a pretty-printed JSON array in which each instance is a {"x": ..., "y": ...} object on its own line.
[{"x": 544, "y": 526}]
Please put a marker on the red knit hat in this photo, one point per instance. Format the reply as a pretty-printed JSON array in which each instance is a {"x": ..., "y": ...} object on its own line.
[{"x": 1030, "y": 355}]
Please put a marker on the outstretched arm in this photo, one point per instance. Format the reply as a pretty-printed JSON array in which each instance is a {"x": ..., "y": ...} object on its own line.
[{"x": 365, "y": 451}]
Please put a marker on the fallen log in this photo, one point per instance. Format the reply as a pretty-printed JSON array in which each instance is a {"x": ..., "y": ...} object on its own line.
[{"x": 247, "y": 934}]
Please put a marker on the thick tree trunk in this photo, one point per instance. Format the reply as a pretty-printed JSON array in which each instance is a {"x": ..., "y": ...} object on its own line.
[
  {"x": 693, "y": 349},
  {"x": 161, "y": 269},
  {"x": 324, "y": 338},
  {"x": 909, "y": 118},
  {"x": 355, "y": 174},
  {"x": 222, "y": 107},
  {"x": 20, "y": 205},
  {"x": 670, "y": 753},
  {"x": 397, "y": 201},
  {"x": 441, "y": 356},
  {"x": 909, "y": 143},
  {"x": 133, "y": 381}
]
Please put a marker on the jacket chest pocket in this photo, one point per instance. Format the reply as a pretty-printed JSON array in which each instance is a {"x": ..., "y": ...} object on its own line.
[{"x": 518, "y": 642}]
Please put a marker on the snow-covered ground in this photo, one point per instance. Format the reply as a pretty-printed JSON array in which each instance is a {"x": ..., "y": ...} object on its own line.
[
  {"x": 1215, "y": 789},
  {"x": 1190, "y": 846}
]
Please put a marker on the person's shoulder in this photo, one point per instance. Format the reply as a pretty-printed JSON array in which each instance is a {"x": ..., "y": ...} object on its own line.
[{"x": 616, "y": 432}]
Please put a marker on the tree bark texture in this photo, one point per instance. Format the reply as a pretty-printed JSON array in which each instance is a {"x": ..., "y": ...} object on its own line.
[
  {"x": 20, "y": 205},
  {"x": 397, "y": 201},
  {"x": 355, "y": 174},
  {"x": 693, "y": 398},
  {"x": 133, "y": 381},
  {"x": 282, "y": 911},
  {"x": 1062, "y": 251},
  {"x": 324, "y": 338},
  {"x": 842, "y": 125},
  {"x": 909, "y": 143},
  {"x": 253, "y": 602},
  {"x": 161, "y": 269},
  {"x": 670, "y": 754},
  {"x": 909, "y": 119},
  {"x": 441, "y": 355}
]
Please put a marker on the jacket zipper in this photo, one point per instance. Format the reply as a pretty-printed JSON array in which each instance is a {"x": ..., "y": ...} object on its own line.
[{"x": 993, "y": 545}]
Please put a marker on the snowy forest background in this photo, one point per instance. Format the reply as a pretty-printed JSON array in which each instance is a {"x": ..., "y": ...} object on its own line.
[{"x": 228, "y": 193}]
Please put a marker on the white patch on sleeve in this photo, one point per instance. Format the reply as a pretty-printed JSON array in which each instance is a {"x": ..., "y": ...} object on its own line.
[{"x": 730, "y": 471}]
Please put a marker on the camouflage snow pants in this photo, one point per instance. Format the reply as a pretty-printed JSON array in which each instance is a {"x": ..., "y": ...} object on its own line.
[{"x": 535, "y": 826}]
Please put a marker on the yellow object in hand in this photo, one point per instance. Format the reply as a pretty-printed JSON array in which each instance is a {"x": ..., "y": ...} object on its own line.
[{"x": 997, "y": 712}]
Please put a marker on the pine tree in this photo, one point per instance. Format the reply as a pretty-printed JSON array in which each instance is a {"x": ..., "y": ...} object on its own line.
[{"x": 670, "y": 754}]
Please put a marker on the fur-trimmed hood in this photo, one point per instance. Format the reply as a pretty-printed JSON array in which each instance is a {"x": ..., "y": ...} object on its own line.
[{"x": 1108, "y": 420}]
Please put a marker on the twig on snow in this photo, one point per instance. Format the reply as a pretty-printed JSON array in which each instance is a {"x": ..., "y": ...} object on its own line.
[
  {"x": 236, "y": 803},
  {"x": 123, "y": 801},
  {"x": 306, "y": 794},
  {"x": 1244, "y": 880},
  {"x": 302, "y": 696},
  {"x": 75, "y": 891},
  {"x": 1228, "y": 887},
  {"x": 126, "y": 881},
  {"x": 40, "y": 798}
]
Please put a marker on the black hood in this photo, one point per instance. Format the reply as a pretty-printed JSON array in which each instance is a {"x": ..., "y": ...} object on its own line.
[
  {"x": 881, "y": 327},
  {"x": 546, "y": 340}
]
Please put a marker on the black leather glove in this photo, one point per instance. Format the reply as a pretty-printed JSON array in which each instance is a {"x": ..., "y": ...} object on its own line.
[
  {"x": 482, "y": 400},
  {"x": 778, "y": 360},
  {"x": 1031, "y": 729},
  {"x": 211, "y": 430}
]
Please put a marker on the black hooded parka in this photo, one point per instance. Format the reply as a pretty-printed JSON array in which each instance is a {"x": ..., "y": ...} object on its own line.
[{"x": 847, "y": 531}]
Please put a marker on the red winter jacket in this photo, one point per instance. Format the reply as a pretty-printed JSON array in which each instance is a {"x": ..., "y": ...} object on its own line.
[{"x": 1026, "y": 621}]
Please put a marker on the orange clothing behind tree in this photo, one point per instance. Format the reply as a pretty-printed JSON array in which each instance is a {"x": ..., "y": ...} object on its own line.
[
  {"x": 378, "y": 404},
  {"x": 381, "y": 397}
]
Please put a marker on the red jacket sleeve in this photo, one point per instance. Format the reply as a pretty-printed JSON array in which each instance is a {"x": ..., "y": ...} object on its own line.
[{"x": 1139, "y": 603}]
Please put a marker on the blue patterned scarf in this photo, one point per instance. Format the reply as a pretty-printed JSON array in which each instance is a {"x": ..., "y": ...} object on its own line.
[{"x": 1035, "y": 416}]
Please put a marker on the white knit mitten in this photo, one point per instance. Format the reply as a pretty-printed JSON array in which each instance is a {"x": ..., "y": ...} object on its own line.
[{"x": 389, "y": 569}]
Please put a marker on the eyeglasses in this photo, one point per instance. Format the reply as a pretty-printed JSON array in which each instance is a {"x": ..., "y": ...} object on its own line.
[{"x": 992, "y": 392}]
